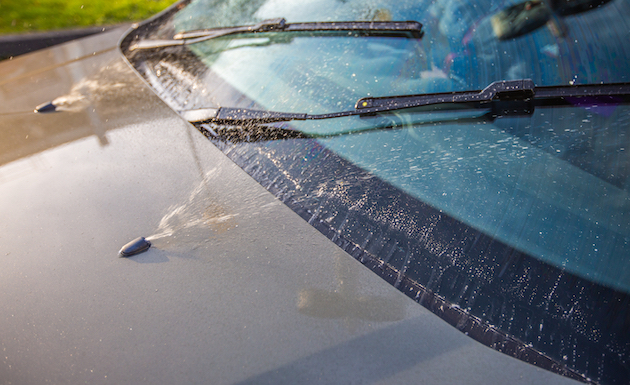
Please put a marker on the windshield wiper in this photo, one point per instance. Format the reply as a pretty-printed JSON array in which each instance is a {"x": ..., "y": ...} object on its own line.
[
  {"x": 362, "y": 28},
  {"x": 503, "y": 98}
]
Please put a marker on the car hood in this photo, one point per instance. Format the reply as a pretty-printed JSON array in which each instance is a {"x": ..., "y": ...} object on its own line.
[{"x": 236, "y": 288}]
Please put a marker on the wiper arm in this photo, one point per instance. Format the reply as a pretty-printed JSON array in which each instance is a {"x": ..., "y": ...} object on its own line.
[
  {"x": 369, "y": 28},
  {"x": 507, "y": 97}
]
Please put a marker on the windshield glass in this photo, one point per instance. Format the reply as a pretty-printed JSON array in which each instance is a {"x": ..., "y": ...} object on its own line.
[
  {"x": 522, "y": 221},
  {"x": 464, "y": 47}
]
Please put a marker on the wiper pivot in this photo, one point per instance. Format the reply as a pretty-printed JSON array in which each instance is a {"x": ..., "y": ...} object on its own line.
[{"x": 368, "y": 28}]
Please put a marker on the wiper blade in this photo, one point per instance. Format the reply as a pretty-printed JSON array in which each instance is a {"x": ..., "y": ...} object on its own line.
[
  {"x": 254, "y": 132},
  {"x": 367, "y": 28},
  {"x": 280, "y": 25},
  {"x": 507, "y": 97}
]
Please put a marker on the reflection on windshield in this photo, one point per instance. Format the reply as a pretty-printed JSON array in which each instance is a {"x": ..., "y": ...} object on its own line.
[
  {"x": 519, "y": 19},
  {"x": 306, "y": 72},
  {"x": 460, "y": 39}
]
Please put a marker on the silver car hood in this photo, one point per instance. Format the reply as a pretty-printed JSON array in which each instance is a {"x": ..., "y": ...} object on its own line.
[{"x": 237, "y": 288}]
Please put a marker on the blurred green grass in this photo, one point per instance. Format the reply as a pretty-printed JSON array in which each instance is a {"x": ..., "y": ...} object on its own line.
[{"x": 17, "y": 16}]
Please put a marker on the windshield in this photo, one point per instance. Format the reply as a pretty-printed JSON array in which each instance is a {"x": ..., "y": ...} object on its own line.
[
  {"x": 463, "y": 48},
  {"x": 522, "y": 221}
]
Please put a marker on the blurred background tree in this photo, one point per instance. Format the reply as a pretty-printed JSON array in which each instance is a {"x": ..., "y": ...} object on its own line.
[{"x": 17, "y": 16}]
